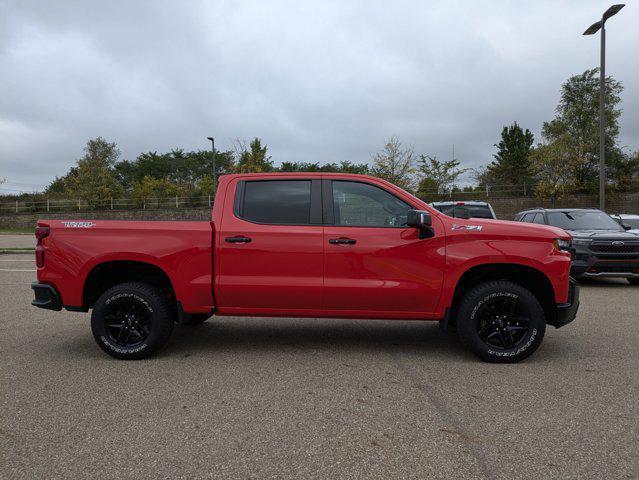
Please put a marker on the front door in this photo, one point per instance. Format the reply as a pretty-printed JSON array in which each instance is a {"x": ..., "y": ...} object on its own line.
[
  {"x": 374, "y": 265},
  {"x": 271, "y": 248}
]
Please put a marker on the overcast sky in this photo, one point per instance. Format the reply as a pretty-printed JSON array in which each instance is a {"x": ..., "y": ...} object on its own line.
[{"x": 318, "y": 81}]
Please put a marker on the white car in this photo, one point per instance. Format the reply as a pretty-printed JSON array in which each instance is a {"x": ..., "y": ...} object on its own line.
[{"x": 629, "y": 220}]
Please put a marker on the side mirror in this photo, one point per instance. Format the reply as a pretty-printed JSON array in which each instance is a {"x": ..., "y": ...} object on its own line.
[
  {"x": 421, "y": 220},
  {"x": 459, "y": 211},
  {"x": 626, "y": 226}
]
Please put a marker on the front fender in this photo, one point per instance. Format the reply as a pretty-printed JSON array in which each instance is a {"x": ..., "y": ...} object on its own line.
[{"x": 465, "y": 253}]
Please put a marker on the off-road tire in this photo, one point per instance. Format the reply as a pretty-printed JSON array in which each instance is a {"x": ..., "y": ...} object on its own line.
[
  {"x": 475, "y": 312},
  {"x": 147, "y": 302}
]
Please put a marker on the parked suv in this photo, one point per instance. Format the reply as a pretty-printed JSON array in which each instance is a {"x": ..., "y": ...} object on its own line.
[
  {"x": 600, "y": 247},
  {"x": 474, "y": 208}
]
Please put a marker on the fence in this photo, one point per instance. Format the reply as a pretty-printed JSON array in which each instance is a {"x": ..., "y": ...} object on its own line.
[
  {"x": 71, "y": 205},
  {"x": 506, "y": 201}
]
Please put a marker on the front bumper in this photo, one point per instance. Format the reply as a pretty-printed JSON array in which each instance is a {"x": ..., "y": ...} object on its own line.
[
  {"x": 590, "y": 264},
  {"x": 566, "y": 312},
  {"x": 46, "y": 297}
]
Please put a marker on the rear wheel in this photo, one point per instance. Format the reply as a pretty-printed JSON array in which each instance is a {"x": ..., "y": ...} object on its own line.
[
  {"x": 501, "y": 322},
  {"x": 633, "y": 281},
  {"x": 131, "y": 321}
]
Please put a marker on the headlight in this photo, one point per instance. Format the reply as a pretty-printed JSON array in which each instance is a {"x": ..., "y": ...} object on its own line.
[
  {"x": 563, "y": 244},
  {"x": 581, "y": 242}
]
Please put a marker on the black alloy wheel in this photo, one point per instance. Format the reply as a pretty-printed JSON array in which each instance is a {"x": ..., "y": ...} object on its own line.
[
  {"x": 502, "y": 323},
  {"x": 132, "y": 320},
  {"x": 127, "y": 322}
]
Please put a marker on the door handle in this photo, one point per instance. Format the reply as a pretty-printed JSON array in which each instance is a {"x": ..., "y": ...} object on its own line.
[
  {"x": 342, "y": 241},
  {"x": 238, "y": 239}
]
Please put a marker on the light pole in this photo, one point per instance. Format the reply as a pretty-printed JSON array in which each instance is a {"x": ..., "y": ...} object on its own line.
[
  {"x": 592, "y": 29},
  {"x": 214, "y": 165}
]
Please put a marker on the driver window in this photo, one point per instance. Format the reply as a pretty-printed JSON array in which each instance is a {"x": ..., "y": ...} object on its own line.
[{"x": 363, "y": 205}]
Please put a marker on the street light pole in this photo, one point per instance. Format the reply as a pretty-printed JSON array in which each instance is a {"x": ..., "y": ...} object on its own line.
[
  {"x": 602, "y": 120},
  {"x": 594, "y": 28},
  {"x": 214, "y": 165}
]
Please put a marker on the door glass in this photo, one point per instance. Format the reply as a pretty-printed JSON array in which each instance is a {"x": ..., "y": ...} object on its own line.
[
  {"x": 539, "y": 218},
  {"x": 285, "y": 202},
  {"x": 363, "y": 205}
]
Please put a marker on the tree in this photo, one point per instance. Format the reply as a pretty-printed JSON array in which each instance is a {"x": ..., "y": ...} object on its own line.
[
  {"x": 512, "y": 164},
  {"x": 253, "y": 159},
  {"x": 343, "y": 167},
  {"x": 555, "y": 172},
  {"x": 395, "y": 164},
  {"x": 93, "y": 179},
  {"x": 578, "y": 117},
  {"x": 437, "y": 176}
]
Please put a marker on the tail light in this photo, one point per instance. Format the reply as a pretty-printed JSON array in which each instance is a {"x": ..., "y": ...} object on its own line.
[{"x": 41, "y": 232}]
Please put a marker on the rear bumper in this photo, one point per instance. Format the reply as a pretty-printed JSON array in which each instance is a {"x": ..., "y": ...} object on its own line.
[
  {"x": 566, "y": 312},
  {"x": 46, "y": 297}
]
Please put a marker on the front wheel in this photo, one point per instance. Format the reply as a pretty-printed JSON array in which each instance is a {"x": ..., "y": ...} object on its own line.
[
  {"x": 131, "y": 321},
  {"x": 633, "y": 281},
  {"x": 501, "y": 322}
]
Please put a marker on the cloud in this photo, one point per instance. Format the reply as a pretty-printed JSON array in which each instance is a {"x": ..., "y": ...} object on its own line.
[{"x": 317, "y": 81}]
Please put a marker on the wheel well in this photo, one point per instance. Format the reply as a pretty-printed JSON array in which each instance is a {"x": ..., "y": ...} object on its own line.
[
  {"x": 528, "y": 277},
  {"x": 109, "y": 274}
]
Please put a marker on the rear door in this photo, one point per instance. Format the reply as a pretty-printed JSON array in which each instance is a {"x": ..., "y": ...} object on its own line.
[
  {"x": 374, "y": 265},
  {"x": 271, "y": 247}
]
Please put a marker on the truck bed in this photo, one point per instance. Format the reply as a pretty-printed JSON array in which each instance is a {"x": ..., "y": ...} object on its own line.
[{"x": 182, "y": 250}]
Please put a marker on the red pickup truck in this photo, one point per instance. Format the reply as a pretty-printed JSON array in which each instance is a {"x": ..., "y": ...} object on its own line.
[{"x": 310, "y": 245}]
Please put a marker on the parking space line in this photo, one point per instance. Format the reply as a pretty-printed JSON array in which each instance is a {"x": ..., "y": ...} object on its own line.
[{"x": 17, "y": 270}]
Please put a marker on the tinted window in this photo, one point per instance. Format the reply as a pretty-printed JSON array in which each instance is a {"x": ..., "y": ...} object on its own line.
[
  {"x": 582, "y": 220},
  {"x": 527, "y": 217},
  {"x": 475, "y": 211},
  {"x": 360, "y": 204},
  {"x": 279, "y": 202},
  {"x": 539, "y": 218}
]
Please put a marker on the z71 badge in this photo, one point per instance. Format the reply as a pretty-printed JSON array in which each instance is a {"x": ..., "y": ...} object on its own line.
[
  {"x": 476, "y": 228},
  {"x": 78, "y": 224}
]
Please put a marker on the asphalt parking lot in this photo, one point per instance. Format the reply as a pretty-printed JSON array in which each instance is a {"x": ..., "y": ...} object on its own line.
[
  {"x": 289, "y": 398},
  {"x": 17, "y": 241}
]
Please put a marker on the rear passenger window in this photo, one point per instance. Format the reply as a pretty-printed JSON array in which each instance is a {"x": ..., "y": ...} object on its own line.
[
  {"x": 527, "y": 217},
  {"x": 285, "y": 202}
]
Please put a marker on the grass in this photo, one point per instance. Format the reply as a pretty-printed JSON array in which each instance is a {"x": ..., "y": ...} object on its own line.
[{"x": 14, "y": 230}]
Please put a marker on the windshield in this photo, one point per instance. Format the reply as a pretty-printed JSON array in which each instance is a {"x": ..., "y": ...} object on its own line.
[
  {"x": 577, "y": 220},
  {"x": 475, "y": 211}
]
